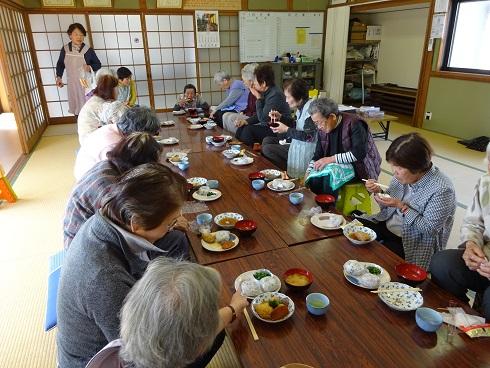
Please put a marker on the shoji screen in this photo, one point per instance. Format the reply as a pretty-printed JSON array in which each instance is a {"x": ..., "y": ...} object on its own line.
[
  {"x": 172, "y": 56},
  {"x": 118, "y": 41},
  {"x": 29, "y": 114},
  {"x": 49, "y": 35},
  {"x": 226, "y": 58}
]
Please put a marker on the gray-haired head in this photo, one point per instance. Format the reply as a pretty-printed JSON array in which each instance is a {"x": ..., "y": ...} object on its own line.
[
  {"x": 170, "y": 316},
  {"x": 220, "y": 76},
  {"x": 325, "y": 106},
  {"x": 104, "y": 71},
  {"x": 139, "y": 119},
  {"x": 112, "y": 111},
  {"x": 248, "y": 71}
]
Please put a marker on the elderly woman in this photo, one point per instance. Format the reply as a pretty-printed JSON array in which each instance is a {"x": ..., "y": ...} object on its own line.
[
  {"x": 269, "y": 97},
  {"x": 89, "y": 118},
  {"x": 236, "y": 96},
  {"x": 190, "y": 99},
  {"x": 342, "y": 139},
  {"x": 154, "y": 335},
  {"x": 95, "y": 148},
  {"x": 109, "y": 254},
  {"x": 468, "y": 267},
  {"x": 295, "y": 156},
  {"x": 230, "y": 118},
  {"x": 86, "y": 197},
  {"x": 417, "y": 215}
]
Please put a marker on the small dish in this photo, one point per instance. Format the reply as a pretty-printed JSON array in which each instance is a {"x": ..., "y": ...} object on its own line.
[
  {"x": 211, "y": 195},
  {"x": 280, "y": 185},
  {"x": 258, "y": 184},
  {"x": 209, "y": 139},
  {"x": 271, "y": 174},
  {"x": 197, "y": 181},
  {"x": 255, "y": 282},
  {"x": 411, "y": 272},
  {"x": 246, "y": 227},
  {"x": 402, "y": 301},
  {"x": 428, "y": 319},
  {"x": 357, "y": 280},
  {"x": 265, "y": 297},
  {"x": 256, "y": 176},
  {"x": 179, "y": 112},
  {"x": 169, "y": 141},
  {"x": 356, "y": 234},
  {"x": 328, "y": 221},
  {"x": 242, "y": 161},
  {"x": 227, "y": 220},
  {"x": 210, "y": 125},
  {"x": 317, "y": 303},
  {"x": 296, "y": 198},
  {"x": 167, "y": 123},
  {"x": 193, "y": 120},
  {"x": 230, "y": 153},
  {"x": 297, "y": 279},
  {"x": 325, "y": 201},
  {"x": 195, "y": 126}
]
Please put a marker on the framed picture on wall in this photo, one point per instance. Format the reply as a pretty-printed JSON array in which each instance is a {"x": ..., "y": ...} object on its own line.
[
  {"x": 97, "y": 3},
  {"x": 173, "y": 4},
  {"x": 58, "y": 3}
]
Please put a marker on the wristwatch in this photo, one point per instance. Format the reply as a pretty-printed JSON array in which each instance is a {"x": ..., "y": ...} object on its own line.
[{"x": 233, "y": 312}]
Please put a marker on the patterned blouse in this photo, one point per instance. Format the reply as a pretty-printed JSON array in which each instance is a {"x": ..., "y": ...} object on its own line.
[
  {"x": 476, "y": 223},
  {"x": 429, "y": 219}
]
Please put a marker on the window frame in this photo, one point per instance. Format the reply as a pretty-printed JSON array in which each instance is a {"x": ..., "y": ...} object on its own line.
[{"x": 448, "y": 44}]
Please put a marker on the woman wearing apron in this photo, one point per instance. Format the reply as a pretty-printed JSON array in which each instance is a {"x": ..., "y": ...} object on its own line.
[
  {"x": 294, "y": 156},
  {"x": 74, "y": 57}
]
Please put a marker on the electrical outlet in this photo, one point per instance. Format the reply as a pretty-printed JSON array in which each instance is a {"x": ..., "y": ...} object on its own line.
[{"x": 428, "y": 116}]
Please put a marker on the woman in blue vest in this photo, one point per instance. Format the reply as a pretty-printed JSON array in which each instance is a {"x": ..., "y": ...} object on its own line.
[
  {"x": 342, "y": 139},
  {"x": 300, "y": 141},
  {"x": 236, "y": 96}
]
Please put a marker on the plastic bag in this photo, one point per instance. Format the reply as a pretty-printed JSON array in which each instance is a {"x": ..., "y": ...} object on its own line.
[{"x": 87, "y": 79}]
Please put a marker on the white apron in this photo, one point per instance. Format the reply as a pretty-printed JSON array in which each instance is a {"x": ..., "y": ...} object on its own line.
[
  {"x": 300, "y": 153},
  {"x": 74, "y": 61}
]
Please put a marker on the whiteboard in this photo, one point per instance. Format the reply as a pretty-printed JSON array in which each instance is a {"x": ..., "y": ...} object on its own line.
[{"x": 264, "y": 35}]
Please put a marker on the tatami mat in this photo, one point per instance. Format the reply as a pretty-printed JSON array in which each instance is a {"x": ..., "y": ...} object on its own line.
[{"x": 31, "y": 231}]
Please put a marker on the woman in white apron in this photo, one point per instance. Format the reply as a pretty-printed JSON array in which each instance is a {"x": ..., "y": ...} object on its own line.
[
  {"x": 296, "y": 155},
  {"x": 76, "y": 57}
]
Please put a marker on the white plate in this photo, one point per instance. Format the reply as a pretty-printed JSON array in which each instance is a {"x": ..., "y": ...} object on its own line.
[
  {"x": 179, "y": 112},
  {"x": 267, "y": 296},
  {"x": 202, "y": 198},
  {"x": 249, "y": 275},
  {"x": 402, "y": 301},
  {"x": 167, "y": 123},
  {"x": 242, "y": 161},
  {"x": 271, "y": 172},
  {"x": 288, "y": 185},
  {"x": 384, "y": 276},
  {"x": 216, "y": 247},
  {"x": 321, "y": 223},
  {"x": 352, "y": 229},
  {"x": 197, "y": 181},
  {"x": 169, "y": 141},
  {"x": 171, "y": 154},
  {"x": 233, "y": 215},
  {"x": 193, "y": 120},
  {"x": 195, "y": 126}
]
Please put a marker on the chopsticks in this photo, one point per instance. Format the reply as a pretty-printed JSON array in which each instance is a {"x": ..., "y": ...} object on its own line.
[
  {"x": 251, "y": 153},
  {"x": 382, "y": 186},
  {"x": 292, "y": 191},
  {"x": 395, "y": 290},
  {"x": 250, "y": 325}
]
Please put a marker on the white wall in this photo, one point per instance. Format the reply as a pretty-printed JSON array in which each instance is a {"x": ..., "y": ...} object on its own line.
[{"x": 402, "y": 45}]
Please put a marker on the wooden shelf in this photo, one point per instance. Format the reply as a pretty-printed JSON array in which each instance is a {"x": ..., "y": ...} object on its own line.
[
  {"x": 360, "y": 43},
  {"x": 361, "y": 60}
]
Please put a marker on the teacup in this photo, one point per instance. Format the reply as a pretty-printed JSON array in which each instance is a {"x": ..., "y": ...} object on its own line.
[
  {"x": 258, "y": 184},
  {"x": 209, "y": 139},
  {"x": 236, "y": 147},
  {"x": 317, "y": 303},
  {"x": 296, "y": 198},
  {"x": 183, "y": 165},
  {"x": 213, "y": 184},
  {"x": 204, "y": 218}
]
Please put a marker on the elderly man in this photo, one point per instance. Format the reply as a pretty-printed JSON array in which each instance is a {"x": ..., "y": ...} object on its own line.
[
  {"x": 236, "y": 96},
  {"x": 101, "y": 141}
]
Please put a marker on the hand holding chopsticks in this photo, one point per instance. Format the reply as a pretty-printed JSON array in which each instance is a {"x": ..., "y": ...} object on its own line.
[
  {"x": 382, "y": 186},
  {"x": 395, "y": 290}
]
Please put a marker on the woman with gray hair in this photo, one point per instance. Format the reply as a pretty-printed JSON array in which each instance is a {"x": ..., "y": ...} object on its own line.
[
  {"x": 109, "y": 253},
  {"x": 236, "y": 96},
  {"x": 101, "y": 141},
  {"x": 230, "y": 118},
  {"x": 468, "y": 267},
  {"x": 342, "y": 139},
  {"x": 153, "y": 334}
]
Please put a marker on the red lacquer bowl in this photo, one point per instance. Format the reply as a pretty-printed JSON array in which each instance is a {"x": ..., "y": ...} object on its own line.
[
  {"x": 246, "y": 227},
  {"x": 411, "y": 272},
  {"x": 325, "y": 200},
  {"x": 299, "y": 271},
  {"x": 256, "y": 175},
  {"x": 218, "y": 138}
]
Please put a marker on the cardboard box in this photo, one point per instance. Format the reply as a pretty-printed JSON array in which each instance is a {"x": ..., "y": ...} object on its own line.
[
  {"x": 357, "y": 36},
  {"x": 358, "y": 27},
  {"x": 374, "y": 33}
]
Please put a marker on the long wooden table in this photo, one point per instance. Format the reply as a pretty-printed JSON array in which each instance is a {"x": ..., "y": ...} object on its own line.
[{"x": 359, "y": 329}]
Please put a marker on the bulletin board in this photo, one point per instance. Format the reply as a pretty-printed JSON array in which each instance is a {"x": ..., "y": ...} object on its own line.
[{"x": 263, "y": 35}]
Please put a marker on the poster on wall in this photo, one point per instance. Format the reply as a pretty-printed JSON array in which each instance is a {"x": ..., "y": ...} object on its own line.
[
  {"x": 174, "y": 4},
  {"x": 216, "y": 4},
  {"x": 59, "y": 3},
  {"x": 207, "y": 27}
]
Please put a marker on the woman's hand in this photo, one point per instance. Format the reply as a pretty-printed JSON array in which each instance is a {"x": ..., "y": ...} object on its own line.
[
  {"x": 255, "y": 92},
  {"x": 321, "y": 163},
  {"x": 240, "y": 122},
  {"x": 372, "y": 187},
  {"x": 280, "y": 129},
  {"x": 239, "y": 302},
  {"x": 87, "y": 68},
  {"x": 274, "y": 114},
  {"x": 180, "y": 223},
  {"x": 474, "y": 257},
  {"x": 484, "y": 269},
  {"x": 59, "y": 82},
  {"x": 391, "y": 202}
]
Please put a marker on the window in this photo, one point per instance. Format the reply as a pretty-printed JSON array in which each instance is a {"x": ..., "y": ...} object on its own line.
[{"x": 468, "y": 43}]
